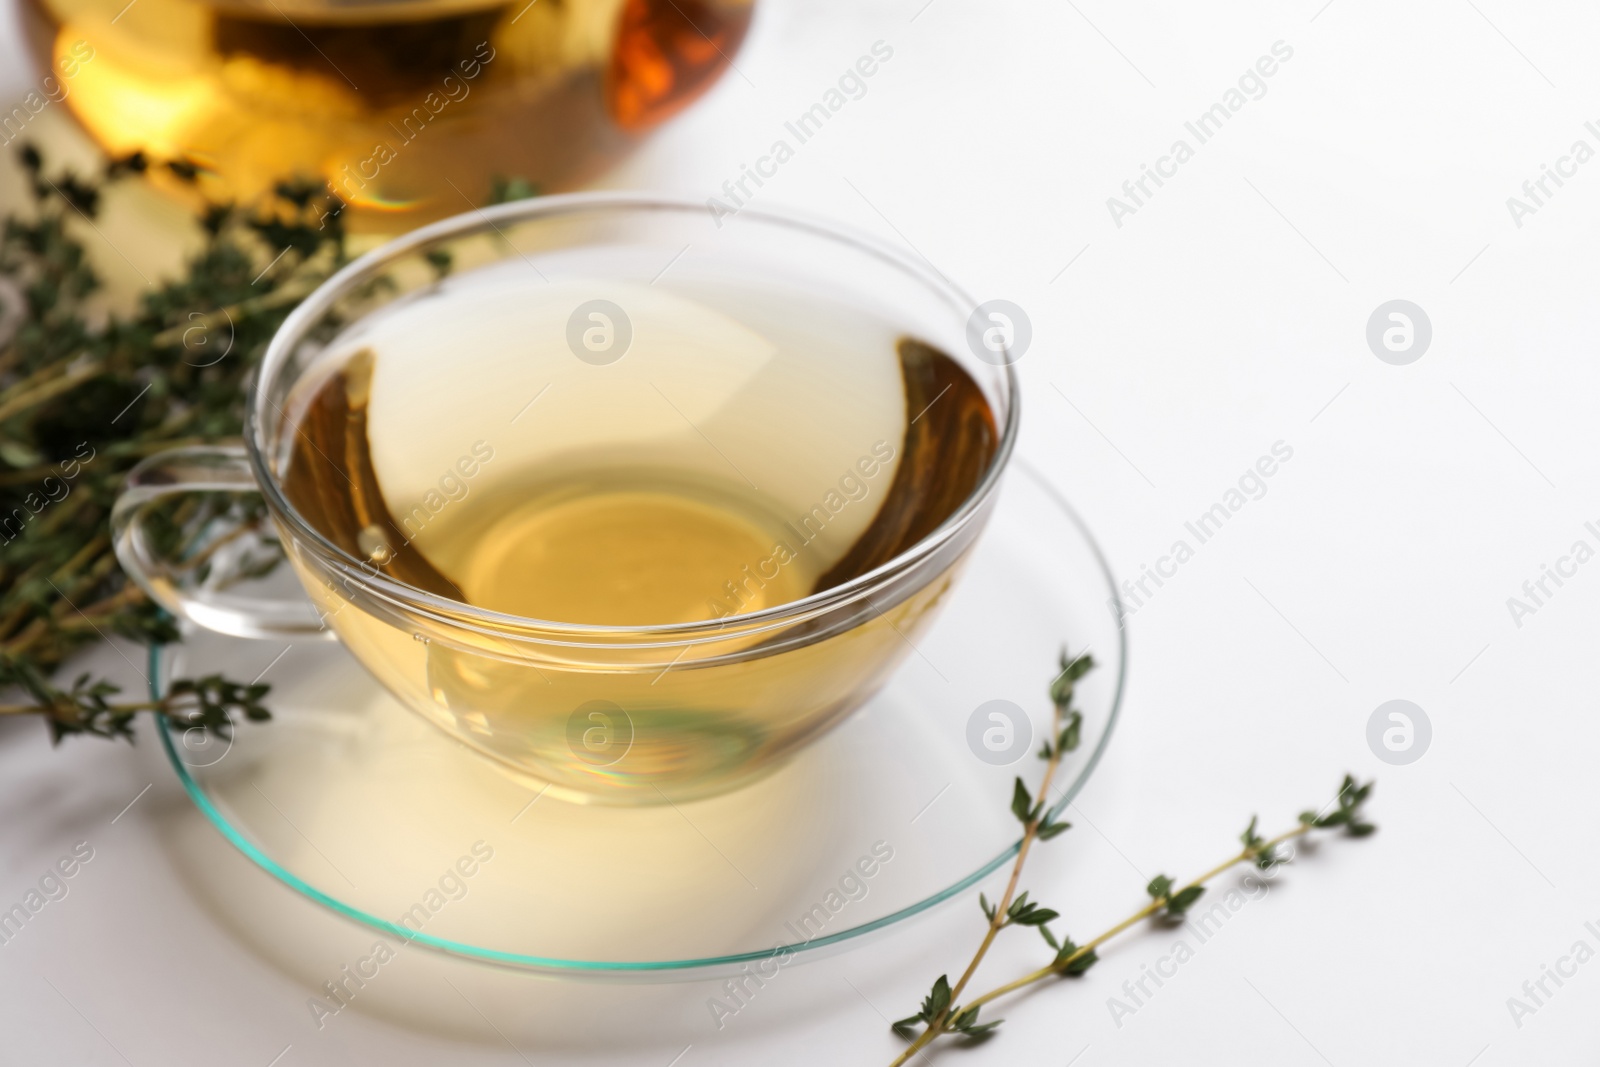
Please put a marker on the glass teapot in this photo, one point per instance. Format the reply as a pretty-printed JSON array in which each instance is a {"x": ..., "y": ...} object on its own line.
[{"x": 410, "y": 107}]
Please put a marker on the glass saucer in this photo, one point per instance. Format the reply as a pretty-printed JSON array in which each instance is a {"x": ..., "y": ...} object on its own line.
[{"x": 365, "y": 808}]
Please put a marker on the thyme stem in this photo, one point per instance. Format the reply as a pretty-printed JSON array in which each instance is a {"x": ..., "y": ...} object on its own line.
[
  {"x": 1059, "y": 967},
  {"x": 944, "y": 1013},
  {"x": 1029, "y": 833}
]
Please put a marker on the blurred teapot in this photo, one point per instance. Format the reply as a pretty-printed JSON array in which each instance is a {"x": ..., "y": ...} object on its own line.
[{"x": 411, "y": 107}]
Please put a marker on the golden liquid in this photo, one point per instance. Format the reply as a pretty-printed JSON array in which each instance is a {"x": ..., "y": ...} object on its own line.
[
  {"x": 606, "y": 552},
  {"x": 636, "y": 546},
  {"x": 399, "y": 105},
  {"x": 820, "y": 447}
]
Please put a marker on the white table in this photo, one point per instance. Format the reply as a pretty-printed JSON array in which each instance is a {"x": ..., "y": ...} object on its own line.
[{"x": 1226, "y": 313}]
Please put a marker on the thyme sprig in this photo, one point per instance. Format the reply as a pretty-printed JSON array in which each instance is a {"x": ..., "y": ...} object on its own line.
[
  {"x": 208, "y": 703},
  {"x": 87, "y": 390},
  {"x": 944, "y": 1013},
  {"x": 1066, "y": 727}
]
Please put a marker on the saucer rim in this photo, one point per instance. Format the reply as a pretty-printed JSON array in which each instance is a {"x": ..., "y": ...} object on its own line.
[{"x": 621, "y": 968}]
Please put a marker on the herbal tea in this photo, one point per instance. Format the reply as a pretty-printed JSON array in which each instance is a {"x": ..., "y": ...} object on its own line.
[
  {"x": 628, "y": 455},
  {"x": 640, "y": 516}
]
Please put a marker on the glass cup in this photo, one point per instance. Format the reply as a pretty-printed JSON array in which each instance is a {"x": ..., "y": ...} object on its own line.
[{"x": 634, "y": 714}]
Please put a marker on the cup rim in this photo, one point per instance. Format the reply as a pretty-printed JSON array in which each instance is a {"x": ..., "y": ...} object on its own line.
[{"x": 480, "y": 219}]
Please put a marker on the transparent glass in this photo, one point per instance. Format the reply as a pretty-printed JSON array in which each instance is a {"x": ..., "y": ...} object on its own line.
[
  {"x": 627, "y": 715},
  {"x": 403, "y": 107}
]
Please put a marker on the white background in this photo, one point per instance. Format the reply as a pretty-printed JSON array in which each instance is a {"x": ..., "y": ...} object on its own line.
[{"x": 1227, "y": 314}]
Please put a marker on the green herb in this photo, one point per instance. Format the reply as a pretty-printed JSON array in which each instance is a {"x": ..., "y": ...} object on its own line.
[
  {"x": 505, "y": 190},
  {"x": 86, "y": 392},
  {"x": 943, "y": 1012}
]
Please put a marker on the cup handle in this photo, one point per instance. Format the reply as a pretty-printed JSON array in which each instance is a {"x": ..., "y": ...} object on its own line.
[{"x": 199, "y": 469}]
